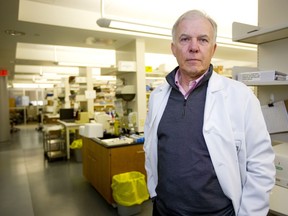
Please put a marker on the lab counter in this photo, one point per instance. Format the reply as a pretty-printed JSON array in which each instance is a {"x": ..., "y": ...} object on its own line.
[
  {"x": 115, "y": 142},
  {"x": 102, "y": 161}
]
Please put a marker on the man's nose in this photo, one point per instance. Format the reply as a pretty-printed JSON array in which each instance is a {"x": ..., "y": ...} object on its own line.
[{"x": 194, "y": 46}]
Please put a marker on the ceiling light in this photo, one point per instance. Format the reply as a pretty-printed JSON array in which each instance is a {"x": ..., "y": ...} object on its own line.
[
  {"x": 22, "y": 77},
  {"x": 83, "y": 64},
  {"x": 130, "y": 26},
  {"x": 32, "y": 86}
]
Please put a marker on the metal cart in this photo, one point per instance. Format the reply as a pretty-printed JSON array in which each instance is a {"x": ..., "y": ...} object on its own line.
[{"x": 54, "y": 142}]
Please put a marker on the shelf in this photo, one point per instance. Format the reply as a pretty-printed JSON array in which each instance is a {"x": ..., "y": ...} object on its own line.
[
  {"x": 113, "y": 72},
  {"x": 271, "y": 83},
  {"x": 257, "y": 35}
]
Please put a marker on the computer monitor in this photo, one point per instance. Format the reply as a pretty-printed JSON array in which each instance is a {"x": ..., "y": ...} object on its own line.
[{"x": 66, "y": 114}]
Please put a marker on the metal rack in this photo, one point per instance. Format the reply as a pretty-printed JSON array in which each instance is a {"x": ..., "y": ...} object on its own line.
[{"x": 54, "y": 143}]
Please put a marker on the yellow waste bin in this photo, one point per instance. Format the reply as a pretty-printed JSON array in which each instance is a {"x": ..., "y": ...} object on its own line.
[
  {"x": 129, "y": 191},
  {"x": 129, "y": 188},
  {"x": 76, "y": 146}
]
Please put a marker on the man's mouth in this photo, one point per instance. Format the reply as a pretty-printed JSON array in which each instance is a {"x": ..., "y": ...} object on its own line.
[{"x": 192, "y": 60}]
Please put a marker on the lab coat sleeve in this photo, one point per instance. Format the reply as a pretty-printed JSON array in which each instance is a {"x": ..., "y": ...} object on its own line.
[{"x": 257, "y": 162}]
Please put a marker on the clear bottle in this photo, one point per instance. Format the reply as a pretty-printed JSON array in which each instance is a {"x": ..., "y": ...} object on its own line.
[{"x": 131, "y": 129}]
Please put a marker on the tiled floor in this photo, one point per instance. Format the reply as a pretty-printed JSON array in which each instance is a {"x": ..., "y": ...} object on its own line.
[{"x": 32, "y": 186}]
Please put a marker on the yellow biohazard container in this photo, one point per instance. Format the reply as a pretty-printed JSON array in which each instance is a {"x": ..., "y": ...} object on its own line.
[
  {"x": 129, "y": 188},
  {"x": 76, "y": 146}
]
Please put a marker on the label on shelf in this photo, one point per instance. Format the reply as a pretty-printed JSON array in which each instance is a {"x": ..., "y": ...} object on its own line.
[{"x": 127, "y": 66}]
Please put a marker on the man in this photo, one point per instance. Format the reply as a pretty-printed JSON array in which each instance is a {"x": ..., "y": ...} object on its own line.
[{"x": 207, "y": 148}]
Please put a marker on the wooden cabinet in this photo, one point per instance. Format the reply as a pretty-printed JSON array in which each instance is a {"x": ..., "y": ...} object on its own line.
[{"x": 100, "y": 164}]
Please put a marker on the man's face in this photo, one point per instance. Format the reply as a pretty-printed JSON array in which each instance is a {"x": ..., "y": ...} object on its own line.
[{"x": 194, "y": 46}]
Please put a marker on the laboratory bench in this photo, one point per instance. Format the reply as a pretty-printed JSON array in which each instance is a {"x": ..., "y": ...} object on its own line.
[{"x": 102, "y": 161}]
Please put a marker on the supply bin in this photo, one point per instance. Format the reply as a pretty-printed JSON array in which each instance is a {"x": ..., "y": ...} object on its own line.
[{"x": 129, "y": 192}]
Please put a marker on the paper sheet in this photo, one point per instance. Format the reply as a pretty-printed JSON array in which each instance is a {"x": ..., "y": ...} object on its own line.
[{"x": 276, "y": 117}]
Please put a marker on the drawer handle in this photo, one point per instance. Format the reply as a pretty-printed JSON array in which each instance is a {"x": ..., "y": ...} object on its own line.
[{"x": 140, "y": 152}]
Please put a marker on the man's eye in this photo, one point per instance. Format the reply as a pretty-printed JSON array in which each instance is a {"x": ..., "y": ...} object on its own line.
[
  {"x": 184, "y": 39},
  {"x": 203, "y": 40}
]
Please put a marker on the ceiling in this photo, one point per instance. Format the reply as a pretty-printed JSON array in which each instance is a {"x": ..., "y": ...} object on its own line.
[{"x": 52, "y": 27}]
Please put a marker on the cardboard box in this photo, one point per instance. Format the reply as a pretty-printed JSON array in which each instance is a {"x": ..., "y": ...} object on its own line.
[{"x": 281, "y": 164}]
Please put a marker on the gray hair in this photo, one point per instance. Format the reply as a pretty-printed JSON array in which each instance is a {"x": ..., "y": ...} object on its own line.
[{"x": 192, "y": 14}]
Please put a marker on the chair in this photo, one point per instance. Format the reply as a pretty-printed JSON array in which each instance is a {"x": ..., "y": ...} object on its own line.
[{"x": 14, "y": 118}]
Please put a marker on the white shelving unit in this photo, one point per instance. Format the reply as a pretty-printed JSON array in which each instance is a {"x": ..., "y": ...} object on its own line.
[{"x": 278, "y": 90}]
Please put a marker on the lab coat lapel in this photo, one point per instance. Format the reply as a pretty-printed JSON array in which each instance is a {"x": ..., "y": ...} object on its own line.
[
  {"x": 215, "y": 85},
  {"x": 219, "y": 136},
  {"x": 159, "y": 105}
]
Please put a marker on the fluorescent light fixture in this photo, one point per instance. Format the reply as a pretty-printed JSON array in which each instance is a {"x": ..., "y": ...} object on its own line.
[
  {"x": 23, "y": 77},
  {"x": 54, "y": 76},
  {"x": 31, "y": 85},
  {"x": 130, "y": 26},
  {"x": 36, "y": 69},
  {"x": 135, "y": 27},
  {"x": 82, "y": 64}
]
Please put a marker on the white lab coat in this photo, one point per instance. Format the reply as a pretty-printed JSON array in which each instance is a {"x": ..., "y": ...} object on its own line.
[{"x": 237, "y": 139}]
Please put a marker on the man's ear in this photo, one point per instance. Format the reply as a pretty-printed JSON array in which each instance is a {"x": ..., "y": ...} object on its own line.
[
  {"x": 173, "y": 48},
  {"x": 215, "y": 47}
]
